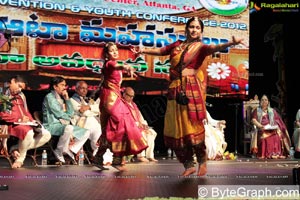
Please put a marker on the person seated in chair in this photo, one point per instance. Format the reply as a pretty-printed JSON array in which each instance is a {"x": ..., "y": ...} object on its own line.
[
  {"x": 148, "y": 133},
  {"x": 87, "y": 114},
  {"x": 17, "y": 119},
  {"x": 58, "y": 112},
  {"x": 214, "y": 137},
  {"x": 271, "y": 140},
  {"x": 296, "y": 135}
]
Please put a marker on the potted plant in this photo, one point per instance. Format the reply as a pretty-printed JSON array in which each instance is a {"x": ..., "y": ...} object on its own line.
[{"x": 5, "y": 102}]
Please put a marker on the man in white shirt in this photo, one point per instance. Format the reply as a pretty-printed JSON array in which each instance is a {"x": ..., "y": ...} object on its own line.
[
  {"x": 87, "y": 114},
  {"x": 148, "y": 132}
]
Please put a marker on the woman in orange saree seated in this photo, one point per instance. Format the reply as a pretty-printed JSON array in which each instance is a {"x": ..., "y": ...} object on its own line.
[{"x": 271, "y": 140}]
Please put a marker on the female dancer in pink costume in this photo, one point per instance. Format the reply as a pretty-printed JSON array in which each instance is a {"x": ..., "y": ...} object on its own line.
[{"x": 118, "y": 125}]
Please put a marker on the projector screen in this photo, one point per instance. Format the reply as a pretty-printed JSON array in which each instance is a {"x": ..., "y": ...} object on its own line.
[{"x": 42, "y": 39}]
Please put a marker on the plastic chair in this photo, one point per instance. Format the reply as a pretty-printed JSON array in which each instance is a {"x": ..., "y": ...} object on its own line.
[{"x": 38, "y": 116}]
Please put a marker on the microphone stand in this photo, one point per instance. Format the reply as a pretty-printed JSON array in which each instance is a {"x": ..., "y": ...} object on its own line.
[{"x": 236, "y": 105}]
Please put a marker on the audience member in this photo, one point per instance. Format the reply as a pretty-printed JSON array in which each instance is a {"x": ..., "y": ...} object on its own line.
[
  {"x": 214, "y": 137},
  {"x": 296, "y": 135},
  {"x": 271, "y": 140},
  {"x": 57, "y": 115},
  {"x": 87, "y": 114},
  {"x": 148, "y": 132},
  {"x": 119, "y": 127},
  {"x": 17, "y": 119}
]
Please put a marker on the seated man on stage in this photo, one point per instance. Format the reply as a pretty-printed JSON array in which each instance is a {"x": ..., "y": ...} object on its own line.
[
  {"x": 214, "y": 137},
  {"x": 87, "y": 114},
  {"x": 296, "y": 135},
  {"x": 58, "y": 112},
  {"x": 20, "y": 123},
  {"x": 148, "y": 132}
]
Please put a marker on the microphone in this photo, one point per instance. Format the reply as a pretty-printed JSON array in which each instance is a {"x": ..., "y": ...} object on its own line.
[{"x": 208, "y": 104}]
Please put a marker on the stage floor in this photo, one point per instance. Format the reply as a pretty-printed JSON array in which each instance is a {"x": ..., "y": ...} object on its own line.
[{"x": 159, "y": 180}]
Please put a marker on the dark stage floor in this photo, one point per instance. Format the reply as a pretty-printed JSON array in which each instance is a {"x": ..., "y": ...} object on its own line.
[{"x": 143, "y": 180}]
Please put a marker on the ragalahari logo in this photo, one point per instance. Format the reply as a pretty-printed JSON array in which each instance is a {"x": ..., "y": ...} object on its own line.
[
  {"x": 254, "y": 7},
  {"x": 225, "y": 7},
  {"x": 275, "y": 7}
]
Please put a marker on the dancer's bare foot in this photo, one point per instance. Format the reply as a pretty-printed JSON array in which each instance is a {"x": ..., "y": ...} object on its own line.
[
  {"x": 142, "y": 159},
  {"x": 275, "y": 157},
  {"x": 152, "y": 160},
  {"x": 189, "y": 171},
  {"x": 17, "y": 164},
  {"x": 121, "y": 168},
  {"x": 202, "y": 169},
  {"x": 282, "y": 157}
]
